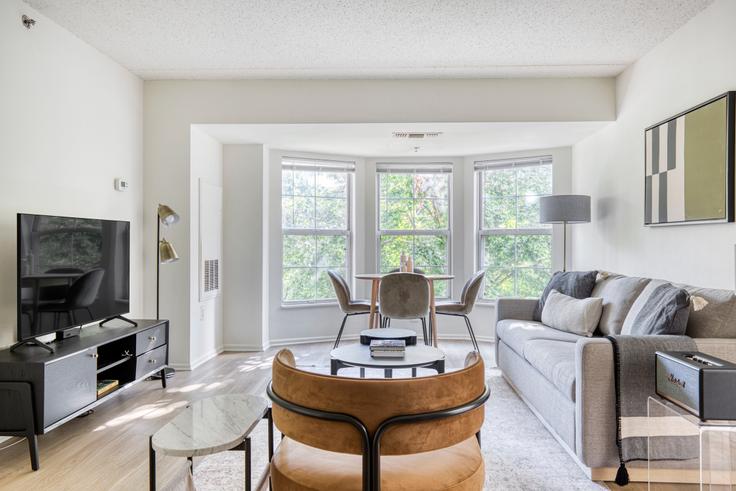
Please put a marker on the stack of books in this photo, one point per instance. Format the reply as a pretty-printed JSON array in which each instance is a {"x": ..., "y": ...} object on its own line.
[
  {"x": 388, "y": 348},
  {"x": 104, "y": 387}
]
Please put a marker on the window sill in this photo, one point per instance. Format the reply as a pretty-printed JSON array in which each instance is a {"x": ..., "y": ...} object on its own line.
[{"x": 307, "y": 305}]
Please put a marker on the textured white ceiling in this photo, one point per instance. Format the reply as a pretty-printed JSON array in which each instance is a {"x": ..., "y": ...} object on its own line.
[
  {"x": 376, "y": 140},
  {"x": 371, "y": 38}
]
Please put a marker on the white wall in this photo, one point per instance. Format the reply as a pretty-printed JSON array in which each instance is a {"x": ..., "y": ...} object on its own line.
[
  {"x": 692, "y": 65},
  {"x": 244, "y": 261},
  {"x": 205, "y": 316},
  {"x": 70, "y": 123}
]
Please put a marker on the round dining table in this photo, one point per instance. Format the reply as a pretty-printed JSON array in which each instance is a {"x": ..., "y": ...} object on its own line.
[{"x": 375, "y": 279}]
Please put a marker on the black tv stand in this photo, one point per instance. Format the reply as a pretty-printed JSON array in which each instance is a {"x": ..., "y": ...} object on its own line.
[
  {"x": 125, "y": 319},
  {"x": 41, "y": 391},
  {"x": 32, "y": 342}
]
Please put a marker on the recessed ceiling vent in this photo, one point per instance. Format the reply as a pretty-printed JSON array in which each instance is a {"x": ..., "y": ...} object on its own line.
[{"x": 414, "y": 135}]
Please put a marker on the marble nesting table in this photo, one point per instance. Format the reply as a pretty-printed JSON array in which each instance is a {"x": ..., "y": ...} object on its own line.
[
  {"x": 212, "y": 425},
  {"x": 358, "y": 355}
]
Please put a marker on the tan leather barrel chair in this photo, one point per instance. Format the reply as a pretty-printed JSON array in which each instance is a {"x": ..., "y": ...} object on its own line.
[
  {"x": 353, "y": 434},
  {"x": 465, "y": 306},
  {"x": 404, "y": 296}
]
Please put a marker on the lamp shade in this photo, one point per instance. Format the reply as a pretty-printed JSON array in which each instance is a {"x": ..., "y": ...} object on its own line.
[
  {"x": 166, "y": 252},
  {"x": 167, "y": 215},
  {"x": 564, "y": 208}
]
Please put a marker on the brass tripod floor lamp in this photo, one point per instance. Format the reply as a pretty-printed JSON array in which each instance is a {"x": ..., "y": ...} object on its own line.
[{"x": 165, "y": 253}]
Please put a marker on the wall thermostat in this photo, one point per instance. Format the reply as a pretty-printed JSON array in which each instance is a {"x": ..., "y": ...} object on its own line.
[{"x": 121, "y": 184}]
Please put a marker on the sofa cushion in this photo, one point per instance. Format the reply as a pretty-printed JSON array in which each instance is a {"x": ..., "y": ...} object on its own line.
[
  {"x": 618, "y": 293},
  {"x": 665, "y": 312},
  {"x": 638, "y": 304},
  {"x": 516, "y": 333},
  {"x": 716, "y": 318},
  {"x": 565, "y": 313},
  {"x": 576, "y": 284},
  {"x": 555, "y": 360}
]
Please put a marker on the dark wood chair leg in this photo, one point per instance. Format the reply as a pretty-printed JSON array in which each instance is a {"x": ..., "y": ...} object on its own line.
[
  {"x": 339, "y": 333},
  {"x": 162, "y": 374},
  {"x": 424, "y": 330}
]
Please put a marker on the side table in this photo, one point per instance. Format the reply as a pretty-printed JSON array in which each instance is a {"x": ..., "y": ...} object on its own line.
[
  {"x": 703, "y": 452},
  {"x": 212, "y": 425}
]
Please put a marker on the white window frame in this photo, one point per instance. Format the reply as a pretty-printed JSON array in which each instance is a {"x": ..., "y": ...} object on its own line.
[
  {"x": 416, "y": 168},
  {"x": 317, "y": 165},
  {"x": 482, "y": 166}
]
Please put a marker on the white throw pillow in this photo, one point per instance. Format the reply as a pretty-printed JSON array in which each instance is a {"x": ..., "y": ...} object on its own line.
[{"x": 569, "y": 314}]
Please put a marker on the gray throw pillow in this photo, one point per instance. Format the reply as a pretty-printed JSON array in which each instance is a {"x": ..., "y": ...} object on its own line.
[
  {"x": 578, "y": 316},
  {"x": 576, "y": 284},
  {"x": 665, "y": 312}
]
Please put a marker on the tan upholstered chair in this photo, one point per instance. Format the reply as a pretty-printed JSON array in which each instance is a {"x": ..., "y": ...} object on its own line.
[
  {"x": 465, "y": 305},
  {"x": 348, "y": 306},
  {"x": 352, "y": 434},
  {"x": 404, "y": 296}
]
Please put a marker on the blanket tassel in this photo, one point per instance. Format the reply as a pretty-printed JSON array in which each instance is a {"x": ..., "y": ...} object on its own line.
[{"x": 622, "y": 476}]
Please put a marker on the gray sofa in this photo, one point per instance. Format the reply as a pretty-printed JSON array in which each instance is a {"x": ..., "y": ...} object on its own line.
[{"x": 568, "y": 380}]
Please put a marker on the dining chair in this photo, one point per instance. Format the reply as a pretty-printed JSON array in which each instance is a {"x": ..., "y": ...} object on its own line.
[
  {"x": 351, "y": 434},
  {"x": 80, "y": 296},
  {"x": 465, "y": 306},
  {"x": 404, "y": 296},
  {"x": 348, "y": 306}
]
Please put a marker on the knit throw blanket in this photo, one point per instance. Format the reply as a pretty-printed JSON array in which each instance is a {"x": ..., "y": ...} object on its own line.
[{"x": 634, "y": 360}]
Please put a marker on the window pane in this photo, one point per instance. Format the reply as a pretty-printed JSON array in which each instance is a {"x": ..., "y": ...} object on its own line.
[
  {"x": 325, "y": 290},
  {"x": 530, "y": 282},
  {"x": 287, "y": 212},
  {"x": 332, "y": 213},
  {"x": 304, "y": 183},
  {"x": 298, "y": 284},
  {"x": 304, "y": 212},
  {"x": 536, "y": 180},
  {"x": 299, "y": 250},
  {"x": 431, "y": 214},
  {"x": 534, "y": 250},
  {"x": 332, "y": 184},
  {"x": 430, "y": 250},
  {"x": 498, "y": 251},
  {"x": 529, "y": 212},
  {"x": 332, "y": 251},
  {"x": 391, "y": 248},
  {"x": 499, "y": 283},
  {"x": 499, "y": 183},
  {"x": 396, "y": 185},
  {"x": 287, "y": 182},
  {"x": 499, "y": 213},
  {"x": 431, "y": 186},
  {"x": 396, "y": 214}
]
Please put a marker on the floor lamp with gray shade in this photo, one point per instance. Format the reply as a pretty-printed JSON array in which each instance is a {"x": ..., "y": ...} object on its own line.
[
  {"x": 564, "y": 209},
  {"x": 165, "y": 253}
]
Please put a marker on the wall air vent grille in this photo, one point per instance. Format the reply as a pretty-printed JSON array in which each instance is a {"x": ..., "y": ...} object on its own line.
[
  {"x": 211, "y": 275},
  {"x": 415, "y": 135}
]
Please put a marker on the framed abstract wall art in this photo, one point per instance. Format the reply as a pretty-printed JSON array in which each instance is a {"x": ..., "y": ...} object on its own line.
[{"x": 689, "y": 165}]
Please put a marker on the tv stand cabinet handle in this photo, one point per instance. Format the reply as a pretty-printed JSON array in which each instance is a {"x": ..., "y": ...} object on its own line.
[
  {"x": 151, "y": 361},
  {"x": 95, "y": 355},
  {"x": 152, "y": 338}
]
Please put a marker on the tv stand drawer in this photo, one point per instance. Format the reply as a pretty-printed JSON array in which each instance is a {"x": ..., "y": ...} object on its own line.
[
  {"x": 150, "y": 339},
  {"x": 148, "y": 362}
]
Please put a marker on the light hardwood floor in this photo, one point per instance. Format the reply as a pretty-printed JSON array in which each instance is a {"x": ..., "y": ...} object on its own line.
[{"x": 108, "y": 450}]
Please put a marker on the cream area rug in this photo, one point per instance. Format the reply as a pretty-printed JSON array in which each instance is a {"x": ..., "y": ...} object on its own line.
[{"x": 519, "y": 452}]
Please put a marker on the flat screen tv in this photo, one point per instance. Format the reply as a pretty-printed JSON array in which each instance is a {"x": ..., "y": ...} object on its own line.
[{"x": 71, "y": 271}]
